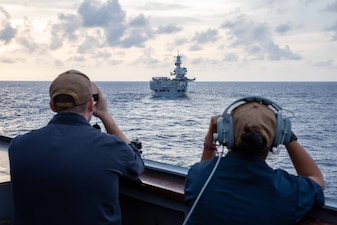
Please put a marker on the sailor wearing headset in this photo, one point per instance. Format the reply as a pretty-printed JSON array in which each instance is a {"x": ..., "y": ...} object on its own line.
[{"x": 240, "y": 187}]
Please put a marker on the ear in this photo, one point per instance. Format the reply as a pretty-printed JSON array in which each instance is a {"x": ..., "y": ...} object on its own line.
[
  {"x": 52, "y": 106},
  {"x": 91, "y": 105}
]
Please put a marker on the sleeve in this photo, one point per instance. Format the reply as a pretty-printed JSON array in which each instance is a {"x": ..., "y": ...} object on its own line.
[
  {"x": 134, "y": 163},
  {"x": 189, "y": 198},
  {"x": 310, "y": 195}
]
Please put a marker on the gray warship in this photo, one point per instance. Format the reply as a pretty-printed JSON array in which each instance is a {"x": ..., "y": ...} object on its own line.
[{"x": 175, "y": 87}]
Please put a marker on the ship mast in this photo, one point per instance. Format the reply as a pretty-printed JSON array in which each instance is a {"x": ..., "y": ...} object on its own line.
[{"x": 179, "y": 72}]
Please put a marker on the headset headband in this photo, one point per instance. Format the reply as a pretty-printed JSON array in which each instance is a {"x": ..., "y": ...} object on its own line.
[
  {"x": 258, "y": 99},
  {"x": 225, "y": 130}
]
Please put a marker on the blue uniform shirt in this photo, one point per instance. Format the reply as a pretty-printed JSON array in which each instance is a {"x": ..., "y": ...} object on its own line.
[
  {"x": 68, "y": 173},
  {"x": 243, "y": 192}
]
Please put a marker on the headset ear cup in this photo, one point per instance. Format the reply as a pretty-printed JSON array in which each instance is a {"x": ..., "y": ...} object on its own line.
[
  {"x": 225, "y": 131},
  {"x": 220, "y": 131},
  {"x": 229, "y": 131},
  {"x": 283, "y": 130},
  {"x": 287, "y": 134}
]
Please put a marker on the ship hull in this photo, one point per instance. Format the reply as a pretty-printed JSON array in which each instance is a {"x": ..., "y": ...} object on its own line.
[
  {"x": 156, "y": 198},
  {"x": 168, "y": 88},
  {"x": 176, "y": 87}
]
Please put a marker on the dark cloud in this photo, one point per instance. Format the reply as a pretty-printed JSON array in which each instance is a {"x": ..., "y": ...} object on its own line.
[
  {"x": 106, "y": 18},
  {"x": 89, "y": 44},
  {"x": 274, "y": 52},
  {"x": 101, "y": 14},
  {"x": 135, "y": 37},
  {"x": 210, "y": 35},
  {"x": 65, "y": 30},
  {"x": 147, "y": 58},
  {"x": 138, "y": 21},
  {"x": 78, "y": 58},
  {"x": 332, "y": 7},
  {"x": 137, "y": 32},
  {"x": 180, "y": 41},
  {"x": 256, "y": 39},
  {"x": 198, "y": 60},
  {"x": 21, "y": 35},
  {"x": 58, "y": 63},
  {"x": 103, "y": 54},
  {"x": 114, "y": 34},
  {"x": 325, "y": 63},
  {"x": 25, "y": 38},
  {"x": 168, "y": 29},
  {"x": 231, "y": 57},
  {"x": 332, "y": 28},
  {"x": 195, "y": 47},
  {"x": 8, "y": 60},
  {"x": 7, "y": 32},
  {"x": 201, "y": 60},
  {"x": 283, "y": 28}
]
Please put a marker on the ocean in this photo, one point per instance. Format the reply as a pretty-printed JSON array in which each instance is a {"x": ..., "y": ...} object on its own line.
[{"x": 172, "y": 130}]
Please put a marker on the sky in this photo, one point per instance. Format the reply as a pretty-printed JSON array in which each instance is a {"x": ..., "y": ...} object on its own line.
[{"x": 135, "y": 40}]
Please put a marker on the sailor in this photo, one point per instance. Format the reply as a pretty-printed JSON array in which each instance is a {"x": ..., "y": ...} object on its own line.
[
  {"x": 241, "y": 188},
  {"x": 69, "y": 172}
]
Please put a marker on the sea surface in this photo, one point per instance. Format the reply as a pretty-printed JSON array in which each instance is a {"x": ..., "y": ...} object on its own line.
[{"x": 172, "y": 130}]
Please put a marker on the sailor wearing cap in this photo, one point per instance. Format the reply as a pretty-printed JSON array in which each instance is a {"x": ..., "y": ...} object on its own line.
[{"x": 68, "y": 172}]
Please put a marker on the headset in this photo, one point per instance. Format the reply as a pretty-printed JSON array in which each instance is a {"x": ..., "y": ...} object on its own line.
[{"x": 225, "y": 127}]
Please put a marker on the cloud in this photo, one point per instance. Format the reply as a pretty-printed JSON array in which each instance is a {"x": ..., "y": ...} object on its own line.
[
  {"x": 333, "y": 28},
  {"x": 58, "y": 63},
  {"x": 146, "y": 58},
  {"x": 103, "y": 20},
  {"x": 325, "y": 63},
  {"x": 65, "y": 29},
  {"x": 137, "y": 33},
  {"x": 78, "y": 58},
  {"x": 118, "y": 29},
  {"x": 103, "y": 54},
  {"x": 8, "y": 60},
  {"x": 138, "y": 21},
  {"x": 201, "y": 60},
  {"x": 283, "y": 28},
  {"x": 332, "y": 7},
  {"x": 210, "y": 35},
  {"x": 90, "y": 43},
  {"x": 7, "y": 32},
  {"x": 168, "y": 29},
  {"x": 256, "y": 39},
  {"x": 25, "y": 39},
  {"x": 231, "y": 57},
  {"x": 162, "y": 6},
  {"x": 20, "y": 36},
  {"x": 180, "y": 41},
  {"x": 101, "y": 14},
  {"x": 195, "y": 47}
]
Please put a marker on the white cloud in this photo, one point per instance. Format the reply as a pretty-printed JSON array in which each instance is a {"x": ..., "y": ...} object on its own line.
[{"x": 142, "y": 37}]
